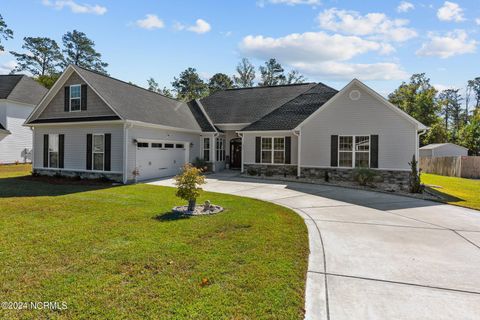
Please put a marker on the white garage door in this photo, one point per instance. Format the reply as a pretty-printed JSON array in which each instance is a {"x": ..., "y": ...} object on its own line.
[{"x": 159, "y": 159}]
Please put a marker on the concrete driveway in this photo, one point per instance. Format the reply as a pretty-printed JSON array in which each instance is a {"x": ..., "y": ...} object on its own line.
[{"x": 377, "y": 256}]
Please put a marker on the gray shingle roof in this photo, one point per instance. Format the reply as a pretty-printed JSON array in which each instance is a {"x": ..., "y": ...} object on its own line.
[
  {"x": 292, "y": 113},
  {"x": 21, "y": 88},
  {"x": 200, "y": 116},
  {"x": 248, "y": 105},
  {"x": 138, "y": 104}
]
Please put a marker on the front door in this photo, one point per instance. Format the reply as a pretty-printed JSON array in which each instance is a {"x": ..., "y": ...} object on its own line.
[{"x": 236, "y": 153}]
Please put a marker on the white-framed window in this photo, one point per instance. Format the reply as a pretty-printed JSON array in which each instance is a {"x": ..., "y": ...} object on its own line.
[
  {"x": 53, "y": 161},
  {"x": 98, "y": 152},
  {"x": 75, "y": 97},
  {"x": 354, "y": 151},
  {"x": 206, "y": 149},
  {"x": 273, "y": 150},
  {"x": 220, "y": 149}
]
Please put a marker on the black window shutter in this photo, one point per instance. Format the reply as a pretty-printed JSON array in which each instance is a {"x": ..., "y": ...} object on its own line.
[
  {"x": 374, "y": 151},
  {"x": 89, "y": 151},
  {"x": 45, "y": 150},
  {"x": 258, "y": 150},
  {"x": 61, "y": 150},
  {"x": 84, "y": 97},
  {"x": 288, "y": 150},
  {"x": 108, "y": 152},
  {"x": 334, "y": 151},
  {"x": 67, "y": 99}
]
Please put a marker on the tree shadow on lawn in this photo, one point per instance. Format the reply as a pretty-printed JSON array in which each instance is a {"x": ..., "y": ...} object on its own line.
[
  {"x": 30, "y": 186},
  {"x": 171, "y": 216}
]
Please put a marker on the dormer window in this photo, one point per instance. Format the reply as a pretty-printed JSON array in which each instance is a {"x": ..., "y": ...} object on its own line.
[{"x": 75, "y": 97}]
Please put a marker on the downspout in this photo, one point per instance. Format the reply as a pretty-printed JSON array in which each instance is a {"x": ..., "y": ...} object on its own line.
[
  {"x": 417, "y": 150},
  {"x": 241, "y": 136},
  {"x": 33, "y": 150},
  {"x": 213, "y": 149},
  {"x": 299, "y": 149},
  {"x": 125, "y": 151}
]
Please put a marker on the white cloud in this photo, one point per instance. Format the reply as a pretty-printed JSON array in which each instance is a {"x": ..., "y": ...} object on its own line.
[
  {"x": 441, "y": 87},
  {"x": 75, "y": 7},
  {"x": 200, "y": 26},
  {"x": 405, "y": 6},
  {"x": 321, "y": 54},
  {"x": 477, "y": 21},
  {"x": 450, "y": 11},
  {"x": 452, "y": 44},
  {"x": 347, "y": 71},
  {"x": 310, "y": 46},
  {"x": 150, "y": 22},
  {"x": 376, "y": 25},
  {"x": 261, "y": 3},
  {"x": 7, "y": 67}
]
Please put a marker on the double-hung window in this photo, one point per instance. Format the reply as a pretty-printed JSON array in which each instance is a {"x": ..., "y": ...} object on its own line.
[
  {"x": 75, "y": 97},
  {"x": 220, "y": 149},
  {"x": 354, "y": 151},
  {"x": 53, "y": 161},
  {"x": 206, "y": 149},
  {"x": 273, "y": 150},
  {"x": 98, "y": 152}
]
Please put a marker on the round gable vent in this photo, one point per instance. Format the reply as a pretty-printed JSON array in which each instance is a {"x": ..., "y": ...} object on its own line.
[{"x": 355, "y": 95}]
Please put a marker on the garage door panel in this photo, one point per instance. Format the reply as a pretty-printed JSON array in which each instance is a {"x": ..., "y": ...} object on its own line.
[{"x": 159, "y": 162}]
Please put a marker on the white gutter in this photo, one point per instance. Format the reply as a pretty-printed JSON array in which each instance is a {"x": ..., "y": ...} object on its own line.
[
  {"x": 240, "y": 134},
  {"x": 299, "y": 150},
  {"x": 125, "y": 152}
]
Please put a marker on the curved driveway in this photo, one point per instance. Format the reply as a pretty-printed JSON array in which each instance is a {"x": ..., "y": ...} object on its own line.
[{"x": 374, "y": 255}]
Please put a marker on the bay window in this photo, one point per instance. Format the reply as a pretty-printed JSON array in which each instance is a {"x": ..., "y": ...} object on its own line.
[
  {"x": 206, "y": 149},
  {"x": 220, "y": 149}
]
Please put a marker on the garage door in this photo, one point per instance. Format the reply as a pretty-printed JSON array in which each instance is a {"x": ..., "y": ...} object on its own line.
[{"x": 159, "y": 159}]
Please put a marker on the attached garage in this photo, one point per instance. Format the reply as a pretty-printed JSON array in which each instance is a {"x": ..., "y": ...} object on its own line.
[{"x": 160, "y": 158}]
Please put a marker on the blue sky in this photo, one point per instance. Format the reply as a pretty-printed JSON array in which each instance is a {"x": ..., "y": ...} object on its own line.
[{"x": 332, "y": 41}]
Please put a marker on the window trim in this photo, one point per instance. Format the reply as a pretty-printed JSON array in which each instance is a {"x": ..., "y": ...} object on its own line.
[
  {"x": 206, "y": 149},
  {"x": 93, "y": 151},
  {"x": 57, "y": 152},
  {"x": 220, "y": 149},
  {"x": 272, "y": 150},
  {"x": 353, "y": 151},
  {"x": 70, "y": 98}
]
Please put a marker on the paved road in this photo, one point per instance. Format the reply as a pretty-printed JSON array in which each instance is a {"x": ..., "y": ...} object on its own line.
[{"x": 377, "y": 256}]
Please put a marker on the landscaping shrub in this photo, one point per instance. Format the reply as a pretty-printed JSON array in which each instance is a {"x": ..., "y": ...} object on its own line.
[
  {"x": 252, "y": 171},
  {"x": 188, "y": 184},
  {"x": 414, "y": 184},
  {"x": 364, "y": 176},
  {"x": 269, "y": 172}
]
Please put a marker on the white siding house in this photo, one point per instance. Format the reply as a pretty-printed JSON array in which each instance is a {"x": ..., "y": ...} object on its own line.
[{"x": 18, "y": 96}]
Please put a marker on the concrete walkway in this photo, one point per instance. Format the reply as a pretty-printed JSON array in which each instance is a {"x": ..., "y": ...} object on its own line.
[{"x": 377, "y": 256}]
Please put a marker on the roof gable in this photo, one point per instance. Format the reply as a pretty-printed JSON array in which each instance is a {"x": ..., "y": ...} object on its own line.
[
  {"x": 375, "y": 95},
  {"x": 247, "y": 105}
]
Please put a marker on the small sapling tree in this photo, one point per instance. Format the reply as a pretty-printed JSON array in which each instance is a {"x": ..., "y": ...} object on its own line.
[{"x": 188, "y": 184}]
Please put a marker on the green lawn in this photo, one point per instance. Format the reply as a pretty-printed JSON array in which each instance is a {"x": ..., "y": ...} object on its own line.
[
  {"x": 117, "y": 253},
  {"x": 457, "y": 191}
]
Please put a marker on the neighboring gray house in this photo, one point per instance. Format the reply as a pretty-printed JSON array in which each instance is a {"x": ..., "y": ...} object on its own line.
[
  {"x": 443, "y": 150},
  {"x": 19, "y": 94},
  {"x": 93, "y": 125}
]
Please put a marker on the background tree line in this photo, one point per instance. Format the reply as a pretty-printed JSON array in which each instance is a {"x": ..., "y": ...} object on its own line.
[
  {"x": 450, "y": 116},
  {"x": 45, "y": 60},
  {"x": 189, "y": 85}
]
